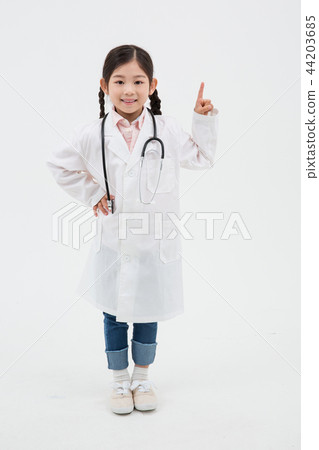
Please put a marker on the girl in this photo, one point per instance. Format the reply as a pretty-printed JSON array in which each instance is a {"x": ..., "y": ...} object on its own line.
[{"x": 134, "y": 277}]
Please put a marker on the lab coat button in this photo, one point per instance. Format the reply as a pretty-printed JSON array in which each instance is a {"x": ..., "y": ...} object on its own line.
[
  {"x": 131, "y": 173},
  {"x": 126, "y": 258}
]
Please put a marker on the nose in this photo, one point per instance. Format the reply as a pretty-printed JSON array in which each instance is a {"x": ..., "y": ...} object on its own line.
[{"x": 128, "y": 89}]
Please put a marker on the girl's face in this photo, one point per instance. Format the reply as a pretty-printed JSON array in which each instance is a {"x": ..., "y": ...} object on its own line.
[{"x": 129, "y": 82}]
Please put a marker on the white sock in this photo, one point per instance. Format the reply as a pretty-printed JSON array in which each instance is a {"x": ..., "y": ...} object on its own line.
[
  {"x": 121, "y": 375},
  {"x": 139, "y": 373}
]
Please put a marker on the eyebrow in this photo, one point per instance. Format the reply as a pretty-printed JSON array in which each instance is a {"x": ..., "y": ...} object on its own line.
[{"x": 122, "y": 76}]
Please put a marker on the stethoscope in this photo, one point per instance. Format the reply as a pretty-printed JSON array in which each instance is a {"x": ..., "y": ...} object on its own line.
[{"x": 110, "y": 202}]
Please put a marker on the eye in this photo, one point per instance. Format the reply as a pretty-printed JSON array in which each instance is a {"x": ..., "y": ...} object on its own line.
[{"x": 120, "y": 81}]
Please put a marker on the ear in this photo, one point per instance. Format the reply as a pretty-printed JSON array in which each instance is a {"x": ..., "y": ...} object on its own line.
[
  {"x": 153, "y": 86},
  {"x": 103, "y": 86}
]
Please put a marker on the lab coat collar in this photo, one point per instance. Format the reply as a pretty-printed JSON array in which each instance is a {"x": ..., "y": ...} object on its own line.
[
  {"x": 139, "y": 119},
  {"x": 115, "y": 142}
]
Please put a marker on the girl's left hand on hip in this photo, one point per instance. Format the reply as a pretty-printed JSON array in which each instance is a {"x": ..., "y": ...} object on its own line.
[{"x": 203, "y": 105}]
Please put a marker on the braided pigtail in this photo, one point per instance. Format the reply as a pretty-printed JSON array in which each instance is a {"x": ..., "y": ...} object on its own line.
[
  {"x": 155, "y": 103},
  {"x": 102, "y": 103}
]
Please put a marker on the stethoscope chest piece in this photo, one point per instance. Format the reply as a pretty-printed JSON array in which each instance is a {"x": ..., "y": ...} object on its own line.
[{"x": 154, "y": 138}]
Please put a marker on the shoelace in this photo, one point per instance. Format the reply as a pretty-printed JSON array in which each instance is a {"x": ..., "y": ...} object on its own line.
[
  {"x": 121, "y": 388},
  {"x": 143, "y": 385}
]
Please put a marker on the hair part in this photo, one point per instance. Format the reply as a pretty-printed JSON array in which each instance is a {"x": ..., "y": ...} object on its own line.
[{"x": 121, "y": 55}]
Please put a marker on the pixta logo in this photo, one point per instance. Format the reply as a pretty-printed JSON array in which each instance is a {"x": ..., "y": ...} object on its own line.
[
  {"x": 144, "y": 224},
  {"x": 73, "y": 225}
]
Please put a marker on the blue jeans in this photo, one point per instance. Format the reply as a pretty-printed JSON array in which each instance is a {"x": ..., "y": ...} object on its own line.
[{"x": 116, "y": 347}]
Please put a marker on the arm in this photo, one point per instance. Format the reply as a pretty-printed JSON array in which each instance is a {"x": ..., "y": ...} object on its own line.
[
  {"x": 198, "y": 151},
  {"x": 68, "y": 166}
]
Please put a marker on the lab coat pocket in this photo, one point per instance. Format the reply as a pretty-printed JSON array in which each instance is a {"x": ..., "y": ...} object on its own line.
[
  {"x": 101, "y": 218},
  {"x": 98, "y": 236},
  {"x": 169, "y": 248},
  {"x": 168, "y": 178}
]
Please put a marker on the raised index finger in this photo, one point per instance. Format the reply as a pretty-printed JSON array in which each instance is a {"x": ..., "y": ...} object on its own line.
[{"x": 201, "y": 91}]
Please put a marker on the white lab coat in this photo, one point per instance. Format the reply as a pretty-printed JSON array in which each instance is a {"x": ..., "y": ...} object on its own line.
[{"x": 137, "y": 277}]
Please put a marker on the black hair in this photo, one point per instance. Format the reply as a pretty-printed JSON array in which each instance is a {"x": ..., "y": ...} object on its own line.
[{"x": 122, "y": 55}]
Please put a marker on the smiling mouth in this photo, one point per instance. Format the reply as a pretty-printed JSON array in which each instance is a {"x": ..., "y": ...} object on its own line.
[{"x": 128, "y": 102}]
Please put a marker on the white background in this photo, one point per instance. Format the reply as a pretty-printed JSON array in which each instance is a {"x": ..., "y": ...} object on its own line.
[{"x": 228, "y": 370}]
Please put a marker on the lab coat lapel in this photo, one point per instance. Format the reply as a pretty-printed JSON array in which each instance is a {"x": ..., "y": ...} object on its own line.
[
  {"x": 145, "y": 133},
  {"x": 115, "y": 142}
]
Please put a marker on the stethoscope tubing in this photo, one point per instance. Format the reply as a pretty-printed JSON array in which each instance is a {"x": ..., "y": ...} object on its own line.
[{"x": 154, "y": 138}]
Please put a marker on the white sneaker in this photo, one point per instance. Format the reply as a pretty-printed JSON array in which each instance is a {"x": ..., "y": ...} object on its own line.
[
  {"x": 121, "y": 399},
  {"x": 143, "y": 395}
]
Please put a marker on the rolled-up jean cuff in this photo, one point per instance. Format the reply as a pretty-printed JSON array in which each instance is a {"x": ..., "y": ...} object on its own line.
[
  {"x": 143, "y": 354},
  {"x": 117, "y": 359}
]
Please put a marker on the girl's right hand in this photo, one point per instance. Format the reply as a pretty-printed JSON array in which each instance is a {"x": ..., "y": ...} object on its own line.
[{"x": 102, "y": 205}]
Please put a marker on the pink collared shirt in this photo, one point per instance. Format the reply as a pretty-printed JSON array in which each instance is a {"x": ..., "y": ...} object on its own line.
[{"x": 128, "y": 131}]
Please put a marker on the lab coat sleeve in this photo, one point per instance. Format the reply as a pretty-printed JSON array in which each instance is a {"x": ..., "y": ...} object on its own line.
[
  {"x": 198, "y": 151},
  {"x": 70, "y": 170}
]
